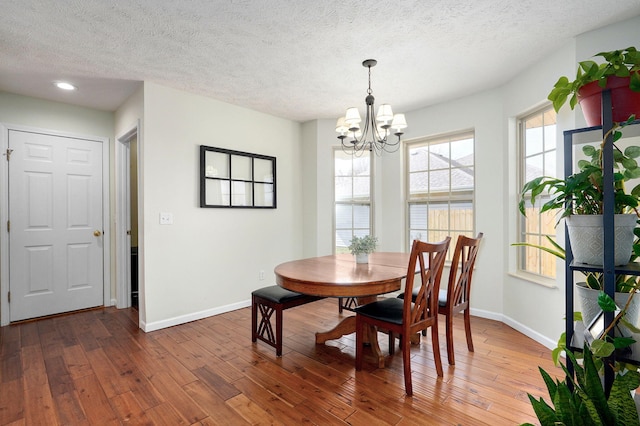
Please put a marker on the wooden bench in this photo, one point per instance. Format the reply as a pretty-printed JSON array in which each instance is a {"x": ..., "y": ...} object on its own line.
[{"x": 268, "y": 300}]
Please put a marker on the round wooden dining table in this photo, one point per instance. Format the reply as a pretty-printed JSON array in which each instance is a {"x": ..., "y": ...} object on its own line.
[{"x": 340, "y": 276}]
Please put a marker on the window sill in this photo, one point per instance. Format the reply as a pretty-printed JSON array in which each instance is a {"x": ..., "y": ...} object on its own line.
[{"x": 545, "y": 282}]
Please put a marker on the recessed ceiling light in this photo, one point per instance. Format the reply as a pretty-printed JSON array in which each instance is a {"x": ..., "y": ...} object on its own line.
[{"x": 64, "y": 85}]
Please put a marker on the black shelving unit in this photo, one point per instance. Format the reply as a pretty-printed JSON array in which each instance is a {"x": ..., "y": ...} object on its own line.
[{"x": 608, "y": 269}]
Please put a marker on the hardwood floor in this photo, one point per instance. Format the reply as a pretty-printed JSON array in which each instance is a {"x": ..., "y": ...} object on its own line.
[{"x": 97, "y": 367}]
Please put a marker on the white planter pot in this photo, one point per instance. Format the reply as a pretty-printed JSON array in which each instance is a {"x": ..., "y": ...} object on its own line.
[
  {"x": 588, "y": 301},
  {"x": 587, "y": 238},
  {"x": 362, "y": 258}
]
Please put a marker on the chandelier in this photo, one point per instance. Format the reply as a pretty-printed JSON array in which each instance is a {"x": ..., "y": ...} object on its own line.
[{"x": 374, "y": 134}]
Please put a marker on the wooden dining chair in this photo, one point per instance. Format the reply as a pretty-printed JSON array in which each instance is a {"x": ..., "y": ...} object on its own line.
[
  {"x": 455, "y": 298},
  {"x": 404, "y": 317}
]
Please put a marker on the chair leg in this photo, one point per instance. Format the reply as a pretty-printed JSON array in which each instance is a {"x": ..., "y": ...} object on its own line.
[
  {"x": 359, "y": 342},
  {"x": 392, "y": 343},
  {"x": 436, "y": 348},
  {"x": 254, "y": 320},
  {"x": 449, "y": 333},
  {"x": 279, "y": 332},
  {"x": 467, "y": 328},
  {"x": 340, "y": 308},
  {"x": 406, "y": 363}
]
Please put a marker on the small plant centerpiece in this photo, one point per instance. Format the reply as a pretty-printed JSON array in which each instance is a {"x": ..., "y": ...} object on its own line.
[
  {"x": 620, "y": 73},
  {"x": 362, "y": 246}
]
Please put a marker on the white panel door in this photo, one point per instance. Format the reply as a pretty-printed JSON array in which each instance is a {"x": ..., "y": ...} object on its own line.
[{"x": 56, "y": 224}]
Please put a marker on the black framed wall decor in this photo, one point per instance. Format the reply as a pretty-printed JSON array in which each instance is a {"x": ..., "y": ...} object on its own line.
[{"x": 235, "y": 179}]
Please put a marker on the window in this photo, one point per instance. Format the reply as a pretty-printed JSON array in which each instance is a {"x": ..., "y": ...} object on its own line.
[
  {"x": 440, "y": 187},
  {"x": 537, "y": 143},
  {"x": 352, "y": 189}
]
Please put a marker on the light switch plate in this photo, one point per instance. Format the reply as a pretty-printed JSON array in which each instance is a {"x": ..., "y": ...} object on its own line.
[{"x": 166, "y": 218}]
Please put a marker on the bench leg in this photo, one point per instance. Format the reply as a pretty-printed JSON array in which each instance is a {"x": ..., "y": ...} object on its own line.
[{"x": 262, "y": 328}]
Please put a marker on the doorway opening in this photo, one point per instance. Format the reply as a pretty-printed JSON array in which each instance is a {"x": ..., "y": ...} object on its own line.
[{"x": 127, "y": 221}]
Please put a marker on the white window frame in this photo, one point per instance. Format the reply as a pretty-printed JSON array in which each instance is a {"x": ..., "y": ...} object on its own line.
[
  {"x": 353, "y": 202},
  {"x": 537, "y": 275},
  {"x": 439, "y": 196}
]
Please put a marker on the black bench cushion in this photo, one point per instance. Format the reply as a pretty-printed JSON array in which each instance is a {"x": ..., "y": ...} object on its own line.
[{"x": 277, "y": 294}]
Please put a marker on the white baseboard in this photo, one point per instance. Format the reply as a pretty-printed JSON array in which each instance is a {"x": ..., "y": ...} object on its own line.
[
  {"x": 182, "y": 319},
  {"x": 170, "y": 322},
  {"x": 532, "y": 334}
]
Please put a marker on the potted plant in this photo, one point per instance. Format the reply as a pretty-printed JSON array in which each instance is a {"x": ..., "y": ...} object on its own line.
[
  {"x": 620, "y": 73},
  {"x": 580, "y": 198},
  {"x": 362, "y": 246},
  {"x": 583, "y": 400}
]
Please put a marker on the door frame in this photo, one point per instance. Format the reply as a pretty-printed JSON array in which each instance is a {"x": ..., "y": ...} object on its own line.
[
  {"x": 4, "y": 213},
  {"x": 123, "y": 215}
]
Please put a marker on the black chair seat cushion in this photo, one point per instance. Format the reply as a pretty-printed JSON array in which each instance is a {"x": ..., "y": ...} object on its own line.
[
  {"x": 388, "y": 310},
  {"x": 277, "y": 294},
  {"x": 442, "y": 296}
]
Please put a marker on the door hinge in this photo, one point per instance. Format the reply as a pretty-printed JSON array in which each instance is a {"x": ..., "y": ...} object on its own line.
[
  {"x": 8, "y": 154},
  {"x": 8, "y": 225},
  {"x": 9, "y": 296}
]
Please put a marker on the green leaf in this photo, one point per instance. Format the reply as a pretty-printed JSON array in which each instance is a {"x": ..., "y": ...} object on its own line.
[
  {"x": 632, "y": 173},
  {"x": 563, "y": 403},
  {"x": 632, "y": 152},
  {"x": 593, "y": 387},
  {"x": 629, "y": 325},
  {"x": 602, "y": 349},
  {"x": 620, "y": 401},
  {"x": 592, "y": 282},
  {"x": 544, "y": 412},
  {"x": 634, "y": 83},
  {"x": 589, "y": 150},
  {"x": 559, "y": 254},
  {"x": 629, "y": 163},
  {"x": 606, "y": 303},
  {"x": 583, "y": 163},
  {"x": 623, "y": 342}
]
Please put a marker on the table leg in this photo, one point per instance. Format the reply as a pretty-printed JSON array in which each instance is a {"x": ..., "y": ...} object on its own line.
[
  {"x": 348, "y": 326},
  {"x": 344, "y": 327},
  {"x": 372, "y": 333}
]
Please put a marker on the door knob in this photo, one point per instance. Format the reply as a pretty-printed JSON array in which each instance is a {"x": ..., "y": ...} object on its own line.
[{"x": 97, "y": 233}]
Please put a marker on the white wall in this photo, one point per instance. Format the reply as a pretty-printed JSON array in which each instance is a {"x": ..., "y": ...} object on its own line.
[{"x": 208, "y": 260}]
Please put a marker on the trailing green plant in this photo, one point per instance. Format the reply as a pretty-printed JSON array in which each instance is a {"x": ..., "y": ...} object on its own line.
[
  {"x": 360, "y": 245},
  {"x": 619, "y": 63},
  {"x": 582, "y": 192},
  {"x": 605, "y": 345}
]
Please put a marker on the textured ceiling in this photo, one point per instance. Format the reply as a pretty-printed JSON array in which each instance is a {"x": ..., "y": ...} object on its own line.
[{"x": 299, "y": 60}]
